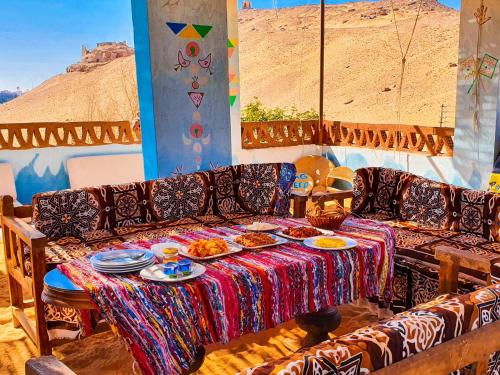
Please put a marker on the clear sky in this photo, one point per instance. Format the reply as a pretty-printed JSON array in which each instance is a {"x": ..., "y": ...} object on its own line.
[{"x": 39, "y": 38}]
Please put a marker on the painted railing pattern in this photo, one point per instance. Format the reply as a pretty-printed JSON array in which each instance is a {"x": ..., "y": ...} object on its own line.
[
  {"x": 23, "y": 136},
  {"x": 434, "y": 141}
]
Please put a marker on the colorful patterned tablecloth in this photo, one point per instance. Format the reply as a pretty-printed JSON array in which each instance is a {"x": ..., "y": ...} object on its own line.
[{"x": 163, "y": 324}]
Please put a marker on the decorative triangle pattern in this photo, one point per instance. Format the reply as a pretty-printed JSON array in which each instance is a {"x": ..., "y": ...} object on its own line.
[
  {"x": 176, "y": 27},
  {"x": 189, "y": 33},
  {"x": 203, "y": 30}
]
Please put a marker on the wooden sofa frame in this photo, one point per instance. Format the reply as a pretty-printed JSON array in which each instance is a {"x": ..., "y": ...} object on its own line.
[{"x": 18, "y": 235}]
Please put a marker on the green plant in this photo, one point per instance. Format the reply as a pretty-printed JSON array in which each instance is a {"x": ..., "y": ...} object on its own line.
[{"x": 256, "y": 111}]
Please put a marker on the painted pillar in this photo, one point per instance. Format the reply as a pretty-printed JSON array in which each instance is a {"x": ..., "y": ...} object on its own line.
[
  {"x": 477, "y": 141},
  {"x": 233, "y": 52},
  {"x": 182, "y": 73}
]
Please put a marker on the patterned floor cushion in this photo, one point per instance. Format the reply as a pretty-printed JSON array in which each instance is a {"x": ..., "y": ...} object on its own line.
[{"x": 380, "y": 345}]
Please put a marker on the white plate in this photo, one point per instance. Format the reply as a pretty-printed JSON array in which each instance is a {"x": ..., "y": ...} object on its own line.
[
  {"x": 233, "y": 249},
  {"x": 324, "y": 231},
  {"x": 279, "y": 241},
  {"x": 350, "y": 243},
  {"x": 157, "y": 249},
  {"x": 155, "y": 273},
  {"x": 122, "y": 270},
  {"x": 261, "y": 227},
  {"x": 121, "y": 260}
]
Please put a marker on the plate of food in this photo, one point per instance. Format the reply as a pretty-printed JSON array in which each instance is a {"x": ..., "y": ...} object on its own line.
[
  {"x": 257, "y": 226},
  {"x": 330, "y": 243},
  {"x": 300, "y": 233},
  {"x": 209, "y": 249},
  {"x": 253, "y": 240}
]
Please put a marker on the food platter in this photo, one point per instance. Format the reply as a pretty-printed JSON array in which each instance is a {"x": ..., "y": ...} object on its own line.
[
  {"x": 349, "y": 243},
  {"x": 323, "y": 231},
  {"x": 156, "y": 273},
  {"x": 278, "y": 241},
  {"x": 233, "y": 249}
]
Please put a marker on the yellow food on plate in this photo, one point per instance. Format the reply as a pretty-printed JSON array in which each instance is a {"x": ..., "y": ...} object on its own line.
[
  {"x": 206, "y": 248},
  {"x": 330, "y": 243}
]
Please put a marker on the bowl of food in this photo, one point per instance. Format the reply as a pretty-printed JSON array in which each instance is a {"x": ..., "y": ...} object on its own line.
[
  {"x": 254, "y": 240},
  {"x": 166, "y": 251}
]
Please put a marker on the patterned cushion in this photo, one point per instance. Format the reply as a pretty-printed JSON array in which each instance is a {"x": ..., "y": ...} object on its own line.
[
  {"x": 377, "y": 346},
  {"x": 67, "y": 213},
  {"x": 265, "y": 188},
  {"x": 255, "y": 188},
  {"x": 179, "y": 197},
  {"x": 72, "y": 213},
  {"x": 379, "y": 190},
  {"x": 427, "y": 203},
  {"x": 475, "y": 211}
]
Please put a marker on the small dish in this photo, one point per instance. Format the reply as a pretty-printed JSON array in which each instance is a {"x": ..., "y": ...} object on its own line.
[
  {"x": 157, "y": 273},
  {"x": 158, "y": 248},
  {"x": 257, "y": 226}
]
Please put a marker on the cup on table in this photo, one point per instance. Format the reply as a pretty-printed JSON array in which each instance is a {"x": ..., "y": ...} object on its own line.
[
  {"x": 170, "y": 269},
  {"x": 185, "y": 266}
]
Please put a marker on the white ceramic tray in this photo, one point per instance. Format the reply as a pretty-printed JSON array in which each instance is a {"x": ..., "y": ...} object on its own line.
[
  {"x": 279, "y": 241},
  {"x": 233, "y": 249},
  {"x": 156, "y": 273},
  {"x": 350, "y": 243}
]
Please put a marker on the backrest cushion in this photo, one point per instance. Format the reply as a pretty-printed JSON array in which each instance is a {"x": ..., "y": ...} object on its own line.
[
  {"x": 427, "y": 203},
  {"x": 475, "y": 211},
  {"x": 380, "y": 345},
  {"x": 265, "y": 188},
  {"x": 255, "y": 188},
  {"x": 71, "y": 213},
  {"x": 379, "y": 190},
  {"x": 180, "y": 197}
]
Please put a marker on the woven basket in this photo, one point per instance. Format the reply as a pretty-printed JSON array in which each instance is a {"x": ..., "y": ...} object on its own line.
[{"x": 331, "y": 218}]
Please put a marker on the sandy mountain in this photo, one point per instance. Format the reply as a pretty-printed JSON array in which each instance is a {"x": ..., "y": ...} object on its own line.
[{"x": 279, "y": 61}]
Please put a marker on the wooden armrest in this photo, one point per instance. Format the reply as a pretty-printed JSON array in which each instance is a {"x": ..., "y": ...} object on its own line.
[
  {"x": 462, "y": 258},
  {"x": 451, "y": 259},
  {"x": 47, "y": 365},
  {"x": 32, "y": 237}
]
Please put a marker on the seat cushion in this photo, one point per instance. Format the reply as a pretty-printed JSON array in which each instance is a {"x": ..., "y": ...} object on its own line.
[
  {"x": 376, "y": 346},
  {"x": 417, "y": 242}
]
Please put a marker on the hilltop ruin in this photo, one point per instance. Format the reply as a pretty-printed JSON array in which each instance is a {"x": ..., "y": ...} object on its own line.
[{"x": 101, "y": 55}]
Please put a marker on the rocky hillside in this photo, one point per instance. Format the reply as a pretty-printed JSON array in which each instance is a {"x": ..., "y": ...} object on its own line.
[{"x": 279, "y": 61}]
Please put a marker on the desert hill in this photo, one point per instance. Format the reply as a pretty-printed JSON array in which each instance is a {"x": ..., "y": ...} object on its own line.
[{"x": 279, "y": 62}]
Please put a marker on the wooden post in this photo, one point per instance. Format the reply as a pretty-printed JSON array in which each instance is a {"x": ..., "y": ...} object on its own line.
[
  {"x": 15, "y": 289},
  {"x": 322, "y": 75}
]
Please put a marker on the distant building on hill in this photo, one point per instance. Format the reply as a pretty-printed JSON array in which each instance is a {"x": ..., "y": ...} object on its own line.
[
  {"x": 247, "y": 4},
  {"x": 101, "y": 55}
]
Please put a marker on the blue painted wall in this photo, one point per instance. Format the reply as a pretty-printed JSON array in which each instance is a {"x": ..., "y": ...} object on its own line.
[{"x": 44, "y": 169}]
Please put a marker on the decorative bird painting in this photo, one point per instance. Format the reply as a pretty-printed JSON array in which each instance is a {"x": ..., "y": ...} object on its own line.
[
  {"x": 206, "y": 63},
  {"x": 183, "y": 63}
]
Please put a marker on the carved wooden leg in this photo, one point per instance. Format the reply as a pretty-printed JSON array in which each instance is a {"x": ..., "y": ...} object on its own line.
[
  {"x": 198, "y": 360},
  {"x": 318, "y": 325}
]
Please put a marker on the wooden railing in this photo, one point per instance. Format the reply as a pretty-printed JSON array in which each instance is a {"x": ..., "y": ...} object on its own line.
[
  {"x": 434, "y": 141},
  {"x": 23, "y": 136},
  {"x": 278, "y": 133}
]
